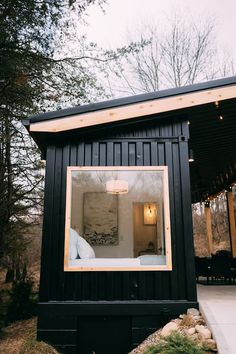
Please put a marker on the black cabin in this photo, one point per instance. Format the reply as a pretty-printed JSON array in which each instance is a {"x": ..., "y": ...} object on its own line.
[{"x": 117, "y": 251}]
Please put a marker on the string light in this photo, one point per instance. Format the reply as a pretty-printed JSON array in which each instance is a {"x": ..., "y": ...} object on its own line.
[{"x": 219, "y": 195}]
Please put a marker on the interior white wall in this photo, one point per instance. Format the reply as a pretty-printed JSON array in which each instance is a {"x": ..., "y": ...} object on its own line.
[{"x": 125, "y": 219}]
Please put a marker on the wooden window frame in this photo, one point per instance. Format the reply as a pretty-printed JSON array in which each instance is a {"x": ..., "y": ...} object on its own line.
[{"x": 166, "y": 213}]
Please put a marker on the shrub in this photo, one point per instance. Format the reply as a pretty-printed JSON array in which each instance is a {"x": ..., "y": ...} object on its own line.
[
  {"x": 2, "y": 313},
  {"x": 23, "y": 300},
  {"x": 175, "y": 343}
]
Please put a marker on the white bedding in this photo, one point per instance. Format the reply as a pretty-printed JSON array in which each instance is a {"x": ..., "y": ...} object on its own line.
[
  {"x": 145, "y": 260},
  {"x": 150, "y": 259},
  {"x": 105, "y": 262}
]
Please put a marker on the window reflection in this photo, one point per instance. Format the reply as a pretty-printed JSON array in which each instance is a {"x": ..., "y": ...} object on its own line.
[{"x": 116, "y": 218}]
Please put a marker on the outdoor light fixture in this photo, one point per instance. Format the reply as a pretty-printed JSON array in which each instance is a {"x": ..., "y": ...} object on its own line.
[
  {"x": 150, "y": 213},
  {"x": 218, "y": 109},
  {"x": 117, "y": 186},
  {"x": 191, "y": 157}
]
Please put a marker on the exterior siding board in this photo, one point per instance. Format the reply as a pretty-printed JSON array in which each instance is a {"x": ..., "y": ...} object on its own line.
[
  {"x": 178, "y": 227},
  {"x": 149, "y": 299},
  {"x": 44, "y": 290},
  {"x": 119, "y": 285}
]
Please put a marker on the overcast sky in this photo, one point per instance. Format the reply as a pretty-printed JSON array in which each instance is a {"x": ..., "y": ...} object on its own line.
[{"x": 122, "y": 16}]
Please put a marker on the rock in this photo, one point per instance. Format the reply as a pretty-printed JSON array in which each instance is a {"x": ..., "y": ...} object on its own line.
[
  {"x": 190, "y": 331},
  {"x": 204, "y": 332},
  {"x": 200, "y": 321},
  {"x": 195, "y": 337},
  {"x": 193, "y": 312},
  {"x": 168, "y": 328},
  {"x": 211, "y": 344}
]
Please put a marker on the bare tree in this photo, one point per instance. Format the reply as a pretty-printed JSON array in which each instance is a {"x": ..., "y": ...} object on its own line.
[{"x": 180, "y": 53}]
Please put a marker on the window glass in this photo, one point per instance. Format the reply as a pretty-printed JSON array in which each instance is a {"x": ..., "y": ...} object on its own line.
[{"x": 117, "y": 218}]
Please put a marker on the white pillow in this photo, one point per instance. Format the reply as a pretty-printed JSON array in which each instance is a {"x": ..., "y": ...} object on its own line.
[
  {"x": 79, "y": 246},
  {"x": 84, "y": 249},
  {"x": 73, "y": 244}
]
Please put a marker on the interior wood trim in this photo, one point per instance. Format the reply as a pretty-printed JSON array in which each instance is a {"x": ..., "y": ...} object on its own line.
[
  {"x": 167, "y": 228},
  {"x": 135, "y": 110},
  {"x": 68, "y": 218}
]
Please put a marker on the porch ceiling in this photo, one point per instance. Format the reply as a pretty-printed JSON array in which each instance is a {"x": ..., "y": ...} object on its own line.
[{"x": 213, "y": 141}]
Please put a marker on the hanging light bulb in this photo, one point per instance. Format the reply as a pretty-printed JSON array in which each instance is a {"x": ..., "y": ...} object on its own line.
[{"x": 150, "y": 213}]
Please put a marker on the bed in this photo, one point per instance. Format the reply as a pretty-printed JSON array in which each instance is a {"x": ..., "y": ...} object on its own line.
[{"x": 82, "y": 255}]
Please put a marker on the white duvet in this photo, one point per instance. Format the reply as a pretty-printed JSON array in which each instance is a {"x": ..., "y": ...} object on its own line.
[
  {"x": 147, "y": 260},
  {"x": 105, "y": 262}
]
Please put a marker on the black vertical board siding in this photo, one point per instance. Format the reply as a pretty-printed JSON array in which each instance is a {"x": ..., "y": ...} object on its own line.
[
  {"x": 178, "y": 226},
  {"x": 88, "y": 154},
  {"x": 66, "y": 159},
  {"x": 70, "y": 278},
  {"x": 110, "y": 154},
  {"x": 172, "y": 191},
  {"x": 132, "y": 154},
  {"x": 44, "y": 291},
  {"x": 187, "y": 222},
  {"x": 95, "y": 151},
  {"x": 142, "y": 285},
  {"x": 153, "y": 153},
  {"x": 110, "y": 285},
  {"x": 73, "y": 155},
  {"x": 161, "y": 155},
  {"x": 56, "y": 226},
  {"x": 102, "y": 286},
  {"x": 150, "y": 281},
  {"x": 185, "y": 129},
  {"x": 125, "y": 154},
  {"x": 85, "y": 285},
  {"x": 177, "y": 129},
  {"x": 80, "y": 154},
  {"x": 146, "y": 154},
  {"x": 139, "y": 154},
  {"x": 162, "y": 283},
  {"x": 93, "y": 282},
  {"x": 102, "y": 154},
  {"x": 126, "y": 286},
  {"x": 117, "y": 154},
  {"x": 95, "y": 286}
]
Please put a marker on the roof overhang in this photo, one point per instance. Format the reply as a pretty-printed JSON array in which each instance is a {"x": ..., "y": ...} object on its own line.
[
  {"x": 212, "y": 139},
  {"x": 134, "y": 110}
]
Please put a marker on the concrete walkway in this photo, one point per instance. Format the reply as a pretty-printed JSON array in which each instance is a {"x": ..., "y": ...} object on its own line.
[{"x": 218, "y": 307}]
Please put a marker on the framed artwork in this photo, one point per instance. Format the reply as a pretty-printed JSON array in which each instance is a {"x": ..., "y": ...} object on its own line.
[{"x": 100, "y": 211}]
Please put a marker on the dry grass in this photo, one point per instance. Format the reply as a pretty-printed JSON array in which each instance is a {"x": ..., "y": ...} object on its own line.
[{"x": 20, "y": 338}]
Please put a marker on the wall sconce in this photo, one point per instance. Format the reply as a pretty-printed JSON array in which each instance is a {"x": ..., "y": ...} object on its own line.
[
  {"x": 191, "y": 156},
  {"x": 150, "y": 213},
  {"x": 117, "y": 186}
]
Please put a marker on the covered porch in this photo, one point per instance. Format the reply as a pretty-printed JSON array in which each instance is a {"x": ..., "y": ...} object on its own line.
[{"x": 212, "y": 158}]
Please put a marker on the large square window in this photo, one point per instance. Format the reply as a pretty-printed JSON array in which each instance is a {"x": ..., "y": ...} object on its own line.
[{"x": 117, "y": 218}]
